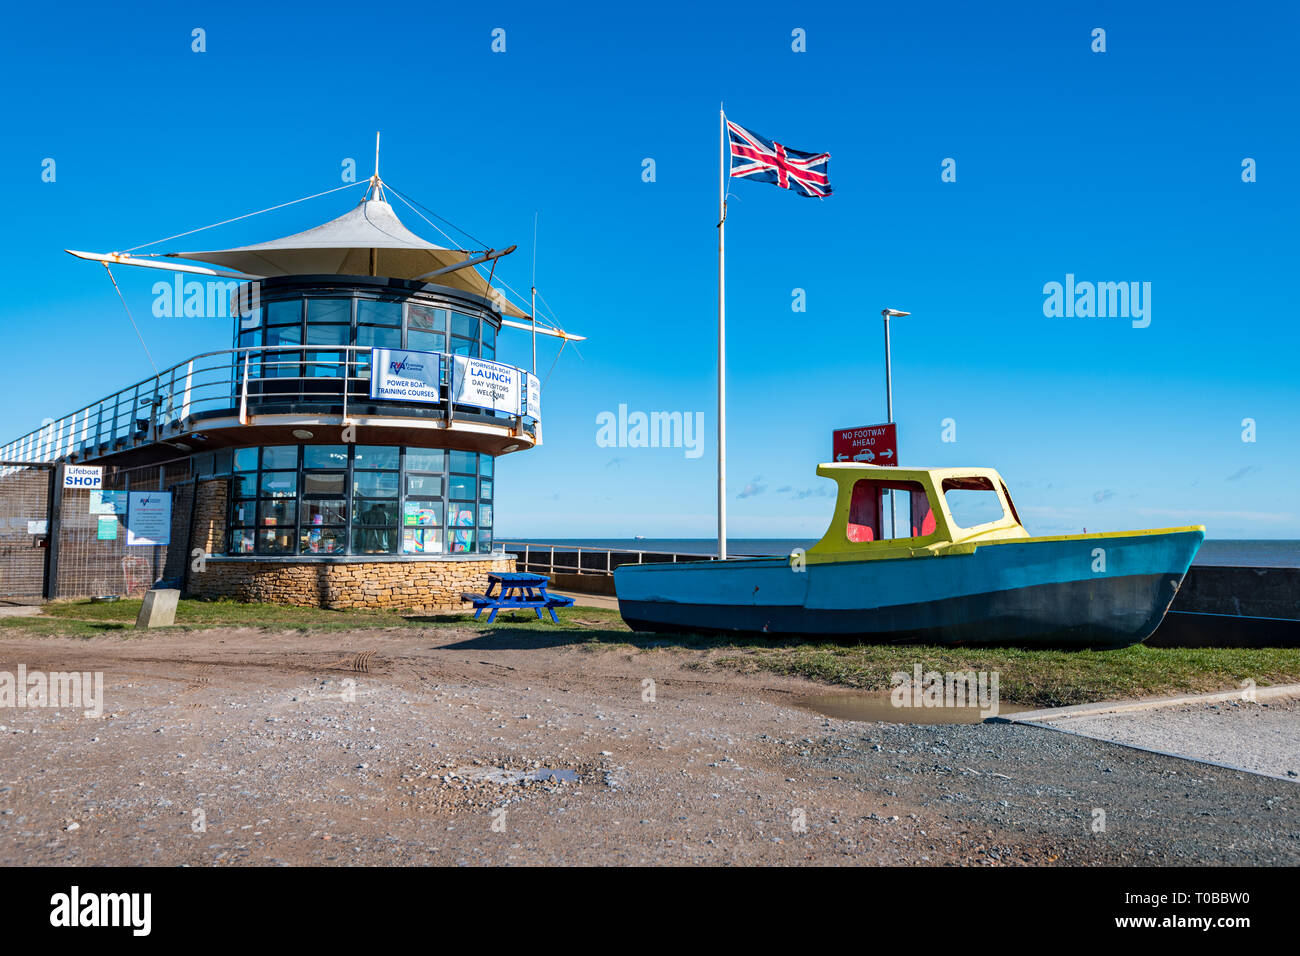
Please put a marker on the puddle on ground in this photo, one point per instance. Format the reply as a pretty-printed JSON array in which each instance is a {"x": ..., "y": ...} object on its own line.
[
  {"x": 874, "y": 707},
  {"x": 511, "y": 777}
]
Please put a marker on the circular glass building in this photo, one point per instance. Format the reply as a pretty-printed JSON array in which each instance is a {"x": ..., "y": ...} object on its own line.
[{"x": 343, "y": 450}]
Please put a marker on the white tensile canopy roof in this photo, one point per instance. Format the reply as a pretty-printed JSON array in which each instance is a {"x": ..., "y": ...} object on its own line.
[{"x": 369, "y": 239}]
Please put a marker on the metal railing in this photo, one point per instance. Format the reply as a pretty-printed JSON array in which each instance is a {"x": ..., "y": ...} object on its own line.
[
  {"x": 239, "y": 381},
  {"x": 541, "y": 558}
]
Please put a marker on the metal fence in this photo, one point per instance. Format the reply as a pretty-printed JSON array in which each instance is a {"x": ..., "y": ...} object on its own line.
[
  {"x": 87, "y": 564},
  {"x": 575, "y": 559},
  {"x": 25, "y": 494}
]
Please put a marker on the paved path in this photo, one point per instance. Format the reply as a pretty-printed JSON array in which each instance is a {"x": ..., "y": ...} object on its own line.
[{"x": 1262, "y": 737}]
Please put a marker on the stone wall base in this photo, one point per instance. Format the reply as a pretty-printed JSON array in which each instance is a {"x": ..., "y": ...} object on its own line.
[{"x": 422, "y": 585}]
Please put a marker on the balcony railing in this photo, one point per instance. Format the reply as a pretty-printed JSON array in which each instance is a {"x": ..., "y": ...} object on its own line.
[{"x": 240, "y": 383}]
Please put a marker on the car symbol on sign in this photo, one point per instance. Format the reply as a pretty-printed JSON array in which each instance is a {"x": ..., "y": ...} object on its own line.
[{"x": 865, "y": 455}]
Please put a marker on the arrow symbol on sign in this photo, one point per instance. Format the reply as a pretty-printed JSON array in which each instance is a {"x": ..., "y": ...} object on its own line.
[
  {"x": 841, "y": 457},
  {"x": 887, "y": 454}
]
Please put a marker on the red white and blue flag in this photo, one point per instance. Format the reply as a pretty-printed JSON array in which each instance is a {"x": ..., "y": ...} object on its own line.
[{"x": 766, "y": 161}]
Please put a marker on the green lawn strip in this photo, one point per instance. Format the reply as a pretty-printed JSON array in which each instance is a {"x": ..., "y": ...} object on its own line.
[
  {"x": 1031, "y": 678},
  {"x": 81, "y": 618}
]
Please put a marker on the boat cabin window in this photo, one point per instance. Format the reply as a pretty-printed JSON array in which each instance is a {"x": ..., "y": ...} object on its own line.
[
  {"x": 870, "y": 511},
  {"x": 972, "y": 501}
]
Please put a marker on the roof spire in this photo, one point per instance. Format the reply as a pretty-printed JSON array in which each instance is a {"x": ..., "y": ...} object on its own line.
[{"x": 374, "y": 192}]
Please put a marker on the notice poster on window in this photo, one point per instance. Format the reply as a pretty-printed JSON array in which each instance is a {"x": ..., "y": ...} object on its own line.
[
  {"x": 401, "y": 376},
  {"x": 487, "y": 385},
  {"x": 107, "y": 529},
  {"x": 148, "y": 518}
]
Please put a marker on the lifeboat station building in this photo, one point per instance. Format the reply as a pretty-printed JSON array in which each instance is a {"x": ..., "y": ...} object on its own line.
[{"x": 341, "y": 453}]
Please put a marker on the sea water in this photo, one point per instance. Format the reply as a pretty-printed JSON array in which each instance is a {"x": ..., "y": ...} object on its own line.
[{"x": 1264, "y": 553}]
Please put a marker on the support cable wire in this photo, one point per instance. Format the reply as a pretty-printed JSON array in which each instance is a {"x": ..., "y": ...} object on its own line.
[
  {"x": 245, "y": 216},
  {"x": 132, "y": 318}
]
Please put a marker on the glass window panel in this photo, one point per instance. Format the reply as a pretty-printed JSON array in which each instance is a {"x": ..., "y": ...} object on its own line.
[
  {"x": 376, "y": 456},
  {"x": 245, "y": 485},
  {"x": 375, "y": 484},
  {"x": 423, "y": 514},
  {"x": 325, "y": 456},
  {"x": 485, "y": 540},
  {"x": 425, "y": 459},
  {"x": 486, "y": 463},
  {"x": 461, "y": 488},
  {"x": 424, "y": 317},
  {"x": 278, "y": 512},
  {"x": 461, "y": 514},
  {"x": 279, "y": 484},
  {"x": 461, "y": 346},
  {"x": 461, "y": 542},
  {"x": 489, "y": 335},
  {"x": 464, "y": 325},
  {"x": 322, "y": 540},
  {"x": 322, "y": 365},
  {"x": 324, "y": 483},
  {"x": 245, "y": 459},
  {"x": 429, "y": 485},
  {"x": 485, "y": 489},
  {"x": 379, "y": 337},
  {"x": 247, "y": 339},
  {"x": 275, "y": 541},
  {"x": 419, "y": 341},
  {"x": 245, "y": 513},
  {"x": 280, "y": 456},
  {"x": 329, "y": 334},
  {"x": 464, "y": 462},
  {"x": 374, "y": 511},
  {"x": 324, "y": 511},
  {"x": 371, "y": 312},
  {"x": 284, "y": 312},
  {"x": 485, "y": 516},
  {"x": 241, "y": 542},
  {"x": 284, "y": 335},
  {"x": 422, "y": 540},
  {"x": 374, "y": 541},
  {"x": 329, "y": 310}
]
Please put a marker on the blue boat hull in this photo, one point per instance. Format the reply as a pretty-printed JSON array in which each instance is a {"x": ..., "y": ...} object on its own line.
[{"x": 1044, "y": 592}]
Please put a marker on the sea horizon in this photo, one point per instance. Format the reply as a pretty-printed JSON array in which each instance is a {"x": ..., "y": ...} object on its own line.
[{"x": 1236, "y": 552}]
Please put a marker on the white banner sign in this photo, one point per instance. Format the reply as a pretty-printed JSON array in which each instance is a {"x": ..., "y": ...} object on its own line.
[
  {"x": 402, "y": 376},
  {"x": 487, "y": 384},
  {"x": 533, "y": 404},
  {"x": 83, "y": 476},
  {"x": 149, "y": 518}
]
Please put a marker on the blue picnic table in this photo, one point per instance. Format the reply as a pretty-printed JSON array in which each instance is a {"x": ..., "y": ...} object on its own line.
[{"x": 516, "y": 591}]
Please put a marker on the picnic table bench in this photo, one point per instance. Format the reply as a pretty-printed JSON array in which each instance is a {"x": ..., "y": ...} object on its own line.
[{"x": 516, "y": 591}]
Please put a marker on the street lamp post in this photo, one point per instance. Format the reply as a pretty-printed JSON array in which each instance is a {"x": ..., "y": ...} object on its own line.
[{"x": 888, "y": 314}]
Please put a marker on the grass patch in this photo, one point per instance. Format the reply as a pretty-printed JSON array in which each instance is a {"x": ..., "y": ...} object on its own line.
[
  {"x": 79, "y": 618},
  {"x": 1027, "y": 677}
]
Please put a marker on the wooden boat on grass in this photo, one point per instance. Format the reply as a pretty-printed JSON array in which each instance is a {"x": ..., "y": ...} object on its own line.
[{"x": 960, "y": 569}]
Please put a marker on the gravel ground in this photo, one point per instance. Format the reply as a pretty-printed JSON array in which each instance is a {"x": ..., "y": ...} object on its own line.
[
  {"x": 1264, "y": 736},
  {"x": 233, "y": 747}
]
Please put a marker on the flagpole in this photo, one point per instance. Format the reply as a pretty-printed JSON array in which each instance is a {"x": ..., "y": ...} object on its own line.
[{"x": 722, "y": 336}]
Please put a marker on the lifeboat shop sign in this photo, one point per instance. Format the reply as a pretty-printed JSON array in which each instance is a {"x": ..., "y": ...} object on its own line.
[
  {"x": 148, "y": 518},
  {"x": 487, "y": 385},
  {"x": 401, "y": 376},
  {"x": 83, "y": 476},
  {"x": 867, "y": 444}
]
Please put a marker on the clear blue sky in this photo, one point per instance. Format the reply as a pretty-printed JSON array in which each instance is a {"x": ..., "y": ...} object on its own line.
[{"x": 1115, "y": 166}]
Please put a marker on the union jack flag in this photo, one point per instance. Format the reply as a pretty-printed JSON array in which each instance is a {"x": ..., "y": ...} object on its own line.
[{"x": 765, "y": 161}]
